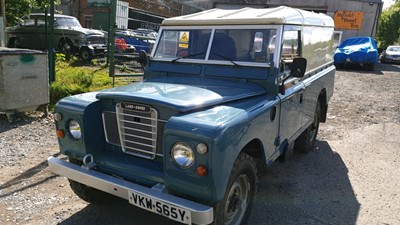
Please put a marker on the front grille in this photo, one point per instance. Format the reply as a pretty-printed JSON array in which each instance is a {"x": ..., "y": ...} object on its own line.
[
  {"x": 138, "y": 133},
  {"x": 94, "y": 39}
]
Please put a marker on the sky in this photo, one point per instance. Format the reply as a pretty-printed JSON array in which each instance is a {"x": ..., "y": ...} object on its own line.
[{"x": 387, "y": 3}]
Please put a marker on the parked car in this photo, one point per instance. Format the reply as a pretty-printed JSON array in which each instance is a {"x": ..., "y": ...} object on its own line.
[
  {"x": 69, "y": 36},
  {"x": 122, "y": 48},
  {"x": 391, "y": 54},
  {"x": 185, "y": 142},
  {"x": 146, "y": 32},
  {"x": 361, "y": 51},
  {"x": 142, "y": 39}
]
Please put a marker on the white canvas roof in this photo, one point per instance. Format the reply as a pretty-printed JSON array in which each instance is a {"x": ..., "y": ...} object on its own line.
[{"x": 251, "y": 16}]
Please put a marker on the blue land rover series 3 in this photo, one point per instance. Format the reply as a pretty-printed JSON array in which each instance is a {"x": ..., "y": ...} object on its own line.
[{"x": 223, "y": 92}]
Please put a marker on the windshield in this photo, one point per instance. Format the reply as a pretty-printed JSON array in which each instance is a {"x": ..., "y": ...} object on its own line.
[
  {"x": 246, "y": 45},
  {"x": 67, "y": 22},
  {"x": 394, "y": 49}
]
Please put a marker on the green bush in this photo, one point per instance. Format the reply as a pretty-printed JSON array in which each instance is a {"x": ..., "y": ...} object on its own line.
[{"x": 71, "y": 80}]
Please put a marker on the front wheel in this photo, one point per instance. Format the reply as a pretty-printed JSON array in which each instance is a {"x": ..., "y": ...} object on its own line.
[
  {"x": 85, "y": 54},
  {"x": 305, "y": 142},
  {"x": 66, "y": 47},
  {"x": 236, "y": 205}
]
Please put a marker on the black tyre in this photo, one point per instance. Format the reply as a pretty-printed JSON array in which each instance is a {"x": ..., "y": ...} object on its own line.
[
  {"x": 85, "y": 54},
  {"x": 371, "y": 66},
  {"x": 66, "y": 47},
  {"x": 89, "y": 194},
  {"x": 14, "y": 43},
  {"x": 236, "y": 205},
  {"x": 305, "y": 142}
]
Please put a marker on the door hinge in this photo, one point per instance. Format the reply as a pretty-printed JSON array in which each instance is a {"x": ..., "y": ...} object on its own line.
[{"x": 277, "y": 141}]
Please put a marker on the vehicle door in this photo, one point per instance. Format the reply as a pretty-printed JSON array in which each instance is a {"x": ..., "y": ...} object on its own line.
[
  {"x": 292, "y": 88},
  {"x": 40, "y": 32},
  {"x": 25, "y": 33}
]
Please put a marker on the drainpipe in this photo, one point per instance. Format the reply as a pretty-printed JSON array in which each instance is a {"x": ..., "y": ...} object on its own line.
[
  {"x": 377, "y": 15},
  {"x": 3, "y": 14},
  {"x": 79, "y": 10},
  {"x": 111, "y": 38},
  {"x": 52, "y": 54}
]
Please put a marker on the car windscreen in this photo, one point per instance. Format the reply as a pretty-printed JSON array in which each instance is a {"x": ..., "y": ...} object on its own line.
[
  {"x": 239, "y": 45},
  {"x": 67, "y": 22},
  {"x": 394, "y": 49}
]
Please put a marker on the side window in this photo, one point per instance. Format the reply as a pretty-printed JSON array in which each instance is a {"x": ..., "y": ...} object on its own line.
[
  {"x": 29, "y": 23},
  {"x": 291, "y": 48},
  {"x": 337, "y": 38},
  {"x": 40, "y": 22}
]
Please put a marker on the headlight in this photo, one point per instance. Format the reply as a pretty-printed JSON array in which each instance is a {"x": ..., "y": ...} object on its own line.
[
  {"x": 182, "y": 155},
  {"x": 202, "y": 148},
  {"x": 82, "y": 36},
  {"x": 57, "y": 116},
  {"x": 74, "y": 129}
]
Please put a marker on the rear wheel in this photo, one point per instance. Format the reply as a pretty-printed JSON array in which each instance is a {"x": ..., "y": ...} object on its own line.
[
  {"x": 14, "y": 43},
  {"x": 235, "y": 207},
  {"x": 305, "y": 142},
  {"x": 371, "y": 66}
]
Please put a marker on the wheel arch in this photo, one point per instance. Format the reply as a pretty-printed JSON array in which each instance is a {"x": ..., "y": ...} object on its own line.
[
  {"x": 65, "y": 39},
  {"x": 11, "y": 42},
  {"x": 255, "y": 149},
  {"x": 323, "y": 102}
]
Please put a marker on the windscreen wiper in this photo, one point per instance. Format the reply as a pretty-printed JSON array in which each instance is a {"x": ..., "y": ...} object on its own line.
[
  {"x": 224, "y": 57},
  {"x": 187, "y": 56}
]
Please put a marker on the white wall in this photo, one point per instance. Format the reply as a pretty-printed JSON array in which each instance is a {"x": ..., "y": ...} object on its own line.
[
  {"x": 122, "y": 15},
  {"x": 2, "y": 37}
]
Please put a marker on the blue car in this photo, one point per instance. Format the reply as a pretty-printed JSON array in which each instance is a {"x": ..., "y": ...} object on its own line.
[
  {"x": 361, "y": 51},
  {"x": 137, "y": 38}
]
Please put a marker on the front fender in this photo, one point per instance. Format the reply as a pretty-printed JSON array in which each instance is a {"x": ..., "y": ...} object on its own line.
[{"x": 226, "y": 130}]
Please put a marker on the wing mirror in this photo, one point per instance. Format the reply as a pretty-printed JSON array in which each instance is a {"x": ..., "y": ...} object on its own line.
[
  {"x": 143, "y": 59},
  {"x": 298, "y": 67},
  {"x": 298, "y": 70}
]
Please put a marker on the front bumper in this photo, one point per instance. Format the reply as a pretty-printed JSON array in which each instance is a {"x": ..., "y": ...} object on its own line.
[
  {"x": 200, "y": 214},
  {"x": 391, "y": 59},
  {"x": 98, "y": 49}
]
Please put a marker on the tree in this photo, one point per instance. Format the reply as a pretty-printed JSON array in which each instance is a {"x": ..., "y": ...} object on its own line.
[
  {"x": 389, "y": 26},
  {"x": 17, "y": 9}
]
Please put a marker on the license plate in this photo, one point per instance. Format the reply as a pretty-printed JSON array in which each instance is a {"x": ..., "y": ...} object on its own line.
[{"x": 160, "y": 207}]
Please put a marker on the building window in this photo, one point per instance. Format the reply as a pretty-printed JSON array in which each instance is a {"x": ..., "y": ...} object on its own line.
[{"x": 88, "y": 21}]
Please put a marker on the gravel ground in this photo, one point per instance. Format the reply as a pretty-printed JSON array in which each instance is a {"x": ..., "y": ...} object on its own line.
[{"x": 353, "y": 176}]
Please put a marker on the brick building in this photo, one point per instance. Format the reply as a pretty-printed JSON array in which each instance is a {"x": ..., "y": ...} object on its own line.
[
  {"x": 352, "y": 17},
  {"x": 95, "y": 13}
]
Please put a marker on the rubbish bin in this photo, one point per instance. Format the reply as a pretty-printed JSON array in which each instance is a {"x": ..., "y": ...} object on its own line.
[{"x": 24, "y": 81}]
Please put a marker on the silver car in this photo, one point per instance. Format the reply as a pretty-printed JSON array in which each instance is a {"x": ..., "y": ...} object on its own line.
[
  {"x": 69, "y": 36},
  {"x": 391, "y": 54}
]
